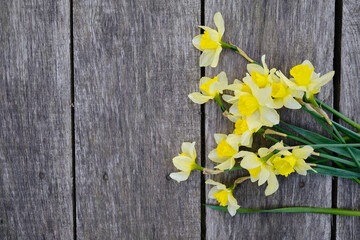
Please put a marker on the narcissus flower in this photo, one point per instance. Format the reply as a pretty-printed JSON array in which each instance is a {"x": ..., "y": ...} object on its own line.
[
  {"x": 225, "y": 153},
  {"x": 261, "y": 168},
  {"x": 210, "y": 88},
  {"x": 253, "y": 103},
  {"x": 300, "y": 154},
  {"x": 185, "y": 162},
  {"x": 305, "y": 79},
  {"x": 223, "y": 195},
  {"x": 261, "y": 75},
  {"x": 242, "y": 134},
  {"x": 210, "y": 42}
]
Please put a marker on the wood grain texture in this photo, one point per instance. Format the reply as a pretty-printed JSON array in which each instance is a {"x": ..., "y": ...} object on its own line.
[
  {"x": 134, "y": 66},
  {"x": 35, "y": 118},
  {"x": 288, "y": 33},
  {"x": 348, "y": 191}
]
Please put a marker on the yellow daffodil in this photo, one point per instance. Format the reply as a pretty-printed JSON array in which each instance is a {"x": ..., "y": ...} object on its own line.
[
  {"x": 305, "y": 79},
  {"x": 300, "y": 154},
  {"x": 283, "y": 95},
  {"x": 286, "y": 163},
  {"x": 242, "y": 134},
  {"x": 253, "y": 103},
  {"x": 261, "y": 75},
  {"x": 185, "y": 162},
  {"x": 210, "y": 42},
  {"x": 225, "y": 153},
  {"x": 223, "y": 195},
  {"x": 210, "y": 88},
  {"x": 261, "y": 168}
]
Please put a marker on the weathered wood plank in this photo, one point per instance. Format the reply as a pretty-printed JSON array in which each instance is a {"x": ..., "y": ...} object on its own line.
[
  {"x": 35, "y": 116},
  {"x": 134, "y": 66},
  {"x": 348, "y": 191},
  {"x": 288, "y": 33}
]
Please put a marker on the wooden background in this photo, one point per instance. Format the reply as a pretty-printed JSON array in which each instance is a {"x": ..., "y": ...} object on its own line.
[{"x": 93, "y": 106}]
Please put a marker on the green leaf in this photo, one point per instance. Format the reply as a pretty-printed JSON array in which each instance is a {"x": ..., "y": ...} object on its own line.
[
  {"x": 336, "y": 172},
  {"x": 333, "y": 211},
  {"x": 319, "y": 139},
  {"x": 347, "y": 131}
]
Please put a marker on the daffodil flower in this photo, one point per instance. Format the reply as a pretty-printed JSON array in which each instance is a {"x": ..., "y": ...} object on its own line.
[
  {"x": 261, "y": 168},
  {"x": 253, "y": 103},
  {"x": 185, "y": 162},
  {"x": 209, "y": 88},
  {"x": 305, "y": 79},
  {"x": 261, "y": 75},
  {"x": 225, "y": 153},
  {"x": 210, "y": 42},
  {"x": 300, "y": 154},
  {"x": 223, "y": 195},
  {"x": 242, "y": 134}
]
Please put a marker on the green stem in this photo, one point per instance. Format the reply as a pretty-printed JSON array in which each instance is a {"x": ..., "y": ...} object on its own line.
[
  {"x": 338, "y": 114},
  {"x": 233, "y": 169},
  {"x": 333, "y": 211},
  {"x": 333, "y": 145},
  {"x": 219, "y": 102}
]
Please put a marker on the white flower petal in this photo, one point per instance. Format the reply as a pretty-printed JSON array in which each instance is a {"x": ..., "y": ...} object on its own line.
[
  {"x": 207, "y": 57},
  {"x": 216, "y": 56},
  {"x": 189, "y": 149},
  {"x": 183, "y": 163},
  {"x": 291, "y": 103},
  {"x": 272, "y": 186},
  {"x": 303, "y": 153},
  {"x": 180, "y": 176},
  {"x": 196, "y": 41},
  {"x": 219, "y": 22},
  {"x": 219, "y": 136},
  {"x": 250, "y": 161},
  {"x": 199, "y": 98},
  {"x": 228, "y": 164}
]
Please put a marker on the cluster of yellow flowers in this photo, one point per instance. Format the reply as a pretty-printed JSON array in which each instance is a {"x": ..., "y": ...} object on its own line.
[{"x": 254, "y": 105}]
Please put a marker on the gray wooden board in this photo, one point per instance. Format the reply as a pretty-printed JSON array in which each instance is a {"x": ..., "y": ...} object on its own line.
[
  {"x": 348, "y": 191},
  {"x": 134, "y": 66},
  {"x": 288, "y": 33},
  {"x": 35, "y": 118}
]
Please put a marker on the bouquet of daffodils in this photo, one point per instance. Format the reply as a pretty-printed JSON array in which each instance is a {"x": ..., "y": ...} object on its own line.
[{"x": 254, "y": 102}]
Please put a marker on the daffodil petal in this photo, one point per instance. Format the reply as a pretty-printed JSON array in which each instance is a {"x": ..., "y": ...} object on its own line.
[
  {"x": 263, "y": 175},
  {"x": 302, "y": 153},
  {"x": 250, "y": 161},
  {"x": 272, "y": 186},
  {"x": 228, "y": 164},
  {"x": 219, "y": 22},
  {"x": 183, "y": 163},
  {"x": 199, "y": 98},
  {"x": 213, "y": 156},
  {"x": 189, "y": 149},
  {"x": 180, "y": 176},
  {"x": 291, "y": 103},
  {"x": 219, "y": 136},
  {"x": 206, "y": 58},
  {"x": 196, "y": 42},
  {"x": 216, "y": 56},
  {"x": 232, "y": 205}
]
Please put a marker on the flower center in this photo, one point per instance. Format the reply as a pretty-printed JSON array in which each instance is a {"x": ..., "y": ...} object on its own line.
[
  {"x": 278, "y": 90},
  {"x": 247, "y": 105},
  {"x": 241, "y": 126},
  {"x": 207, "y": 43},
  {"x": 284, "y": 165},
  {"x": 222, "y": 197},
  {"x": 302, "y": 74},
  {"x": 206, "y": 86},
  {"x": 254, "y": 172},
  {"x": 224, "y": 149},
  {"x": 259, "y": 79}
]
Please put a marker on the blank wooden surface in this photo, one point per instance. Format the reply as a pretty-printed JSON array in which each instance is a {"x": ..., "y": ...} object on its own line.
[
  {"x": 134, "y": 66},
  {"x": 35, "y": 136},
  {"x": 348, "y": 191},
  {"x": 288, "y": 33}
]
